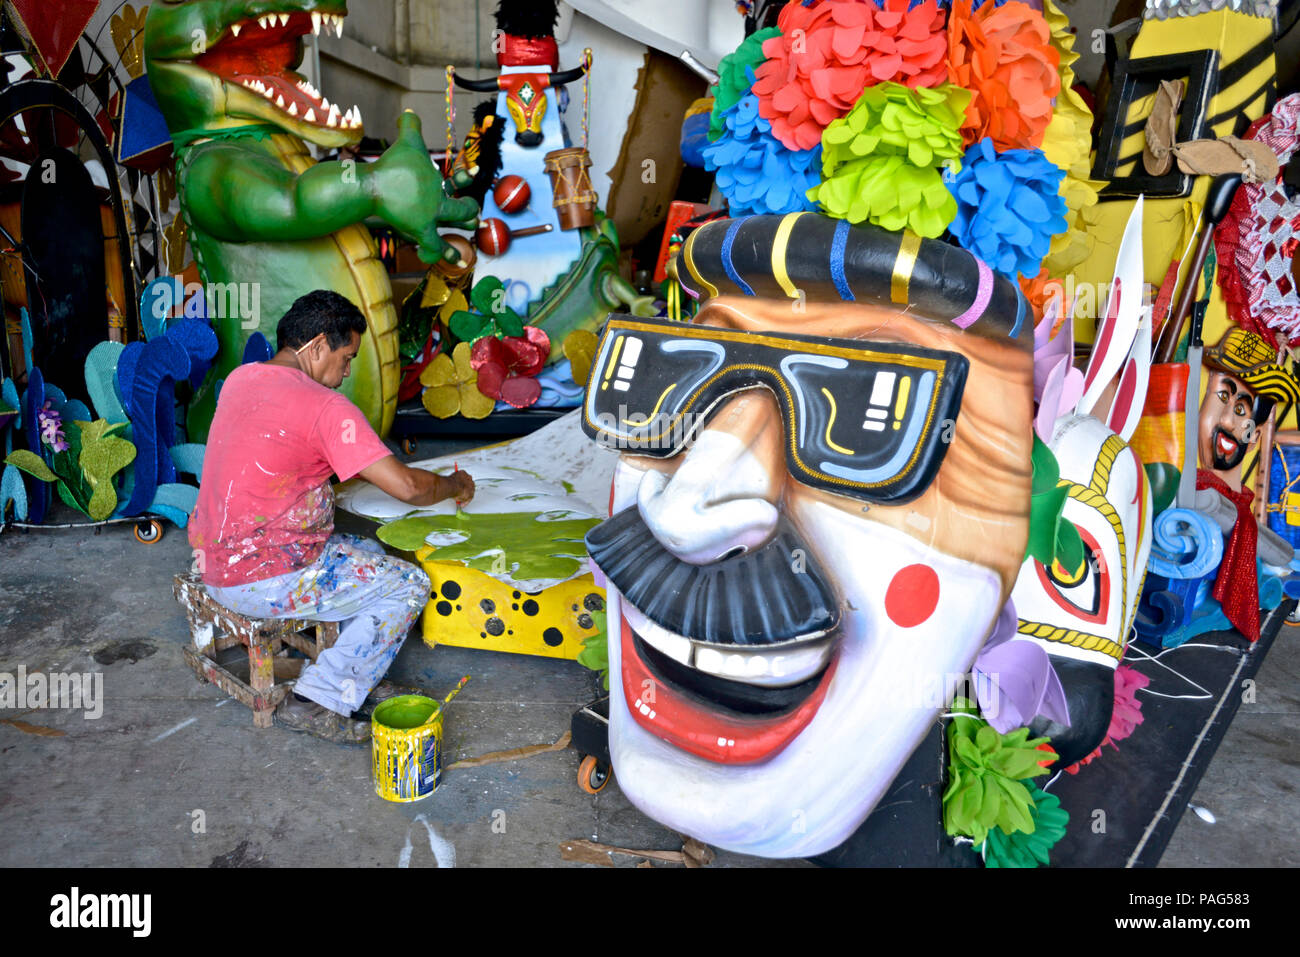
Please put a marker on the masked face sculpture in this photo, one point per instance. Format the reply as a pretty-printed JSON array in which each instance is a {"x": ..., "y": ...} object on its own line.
[
  {"x": 1243, "y": 383},
  {"x": 797, "y": 592}
]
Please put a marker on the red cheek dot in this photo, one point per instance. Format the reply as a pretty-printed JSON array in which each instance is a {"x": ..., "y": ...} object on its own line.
[{"x": 912, "y": 596}]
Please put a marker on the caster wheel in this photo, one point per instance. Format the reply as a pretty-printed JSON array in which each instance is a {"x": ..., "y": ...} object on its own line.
[
  {"x": 149, "y": 533},
  {"x": 408, "y": 446},
  {"x": 592, "y": 776}
]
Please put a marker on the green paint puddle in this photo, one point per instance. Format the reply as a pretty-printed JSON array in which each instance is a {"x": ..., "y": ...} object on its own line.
[
  {"x": 568, "y": 486},
  {"x": 517, "y": 543}
]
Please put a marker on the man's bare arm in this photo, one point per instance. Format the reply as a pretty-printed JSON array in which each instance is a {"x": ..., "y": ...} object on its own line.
[{"x": 416, "y": 486}]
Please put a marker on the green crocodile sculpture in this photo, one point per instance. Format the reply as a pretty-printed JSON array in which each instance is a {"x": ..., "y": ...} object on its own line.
[{"x": 258, "y": 208}]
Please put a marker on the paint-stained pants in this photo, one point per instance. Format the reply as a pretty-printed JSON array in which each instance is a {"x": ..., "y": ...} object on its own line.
[{"x": 376, "y": 598}]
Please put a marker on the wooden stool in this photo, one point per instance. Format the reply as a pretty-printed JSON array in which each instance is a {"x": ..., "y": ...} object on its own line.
[{"x": 214, "y": 628}]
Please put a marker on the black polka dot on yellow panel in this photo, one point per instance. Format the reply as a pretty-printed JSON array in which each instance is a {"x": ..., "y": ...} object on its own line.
[
  {"x": 495, "y": 626},
  {"x": 488, "y": 606},
  {"x": 444, "y": 607},
  {"x": 450, "y": 589},
  {"x": 530, "y": 607},
  {"x": 553, "y": 637},
  {"x": 584, "y": 621},
  {"x": 593, "y": 602}
]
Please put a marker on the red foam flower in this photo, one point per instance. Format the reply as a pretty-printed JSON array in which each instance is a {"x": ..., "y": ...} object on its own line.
[
  {"x": 1004, "y": 56},
  {"x": 506, "y": 366},
  {"x": 828, "y": 52}
]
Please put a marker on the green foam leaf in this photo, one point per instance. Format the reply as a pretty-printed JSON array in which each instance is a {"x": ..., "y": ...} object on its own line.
[
  {"x": 31, "y": 463},
  {"x": 103, "y": 455}
]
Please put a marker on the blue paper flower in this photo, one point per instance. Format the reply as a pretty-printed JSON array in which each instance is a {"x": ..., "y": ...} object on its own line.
[
  {"x": 755, "y": 172},
  {"x": 1008, "y": 206}
]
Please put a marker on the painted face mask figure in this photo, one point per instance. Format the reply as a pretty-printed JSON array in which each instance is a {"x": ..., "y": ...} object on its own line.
[
  {"x": 820, "y": 510},
  {"x": 1243, "y": 384}
]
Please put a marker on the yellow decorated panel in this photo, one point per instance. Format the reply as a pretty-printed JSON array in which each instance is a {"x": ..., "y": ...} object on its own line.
[{"x": 469, "y": 609}]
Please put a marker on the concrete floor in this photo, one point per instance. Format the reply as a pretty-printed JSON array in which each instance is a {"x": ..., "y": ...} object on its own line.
[{"x": 175, "y": 773}]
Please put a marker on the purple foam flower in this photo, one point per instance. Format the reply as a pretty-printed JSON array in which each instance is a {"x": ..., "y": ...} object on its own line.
[
  {"x": 50, "y": 424},
  {"x": 1015, "y": 680}
]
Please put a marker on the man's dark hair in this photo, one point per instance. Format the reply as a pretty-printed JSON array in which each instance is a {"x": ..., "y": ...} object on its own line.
[{"x": 322, "y": 311}]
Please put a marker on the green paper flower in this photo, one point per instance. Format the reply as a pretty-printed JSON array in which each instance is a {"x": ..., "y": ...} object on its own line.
[
  {"x": 494, "y": 316},
  {"x": 733, "y": 78},
  {"x": 985, "y": 769},
  {"x": 1021, "y": 849},
  {"x": 880, "y": 162}
]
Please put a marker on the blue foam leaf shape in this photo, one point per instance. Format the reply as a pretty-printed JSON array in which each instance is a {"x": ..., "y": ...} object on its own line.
[
  {"x": 755, "y": 171},
  {"x": 13, "y": 490},
  {"x": 38, "y": 494},
  {"x": 147, "y": 373},
  {"x": 175, "y": 502},
  {"x": 101, "y": 381},
  {"x": 188, "y": 458}
]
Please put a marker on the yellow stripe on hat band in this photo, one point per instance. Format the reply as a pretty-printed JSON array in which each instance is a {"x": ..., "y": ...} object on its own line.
[
  {"x": 903, "y": 266},
  {"x": 706, "y": 287},
  {"x": 779, "y": 244}
]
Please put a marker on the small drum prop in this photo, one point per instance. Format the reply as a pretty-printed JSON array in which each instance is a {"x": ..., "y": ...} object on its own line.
[
  {"x": 406, "y": 739},
  {"x": 575, "y": 200}
]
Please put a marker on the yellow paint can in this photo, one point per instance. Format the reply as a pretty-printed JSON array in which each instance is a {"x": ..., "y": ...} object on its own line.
[{"x": 406, "y": 746}]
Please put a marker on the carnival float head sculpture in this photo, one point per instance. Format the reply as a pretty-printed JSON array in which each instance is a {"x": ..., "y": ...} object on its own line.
[
  {"x": 820, "y": 510},
  {"x": 1244, "y": 382},
  {"x": 1080, "y": 605}
]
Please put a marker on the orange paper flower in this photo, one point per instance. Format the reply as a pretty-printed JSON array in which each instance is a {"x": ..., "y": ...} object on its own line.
[
  {"x": 1004, "y": 56},
  {"x": 829, "y": 52}
]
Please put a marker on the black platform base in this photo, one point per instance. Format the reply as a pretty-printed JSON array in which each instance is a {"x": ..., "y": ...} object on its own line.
[{"x": 413, "y": 421}]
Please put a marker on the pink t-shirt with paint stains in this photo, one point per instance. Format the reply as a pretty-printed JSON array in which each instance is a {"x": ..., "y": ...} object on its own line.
[{"x": 266, "y": 503}]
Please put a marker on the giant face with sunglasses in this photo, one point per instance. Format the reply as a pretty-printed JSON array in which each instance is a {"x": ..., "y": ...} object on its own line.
[{"x": 820, "y": 509}]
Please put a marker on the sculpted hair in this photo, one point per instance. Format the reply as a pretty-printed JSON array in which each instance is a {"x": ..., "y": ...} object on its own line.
[{"x": 322, "y": 311}]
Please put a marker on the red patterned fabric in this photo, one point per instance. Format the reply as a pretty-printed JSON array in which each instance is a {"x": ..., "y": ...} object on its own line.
[
  {"x": 529, "y": 51},
  {"x": 1256, "y": 241},
  {"x": 1237, "y": 586}
]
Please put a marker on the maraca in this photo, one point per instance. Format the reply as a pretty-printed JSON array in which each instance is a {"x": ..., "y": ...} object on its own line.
[
  {"x": 494, "y": 236},
  {"x": 511, "y": 193}
]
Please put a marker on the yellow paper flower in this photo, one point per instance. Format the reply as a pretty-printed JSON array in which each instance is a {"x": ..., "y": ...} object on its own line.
[
  {"x": 1066, "y": 143},
  {"x": 452, "y": 386}
]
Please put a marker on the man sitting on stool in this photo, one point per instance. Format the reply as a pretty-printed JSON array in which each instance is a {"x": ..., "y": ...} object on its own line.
[{"x": 262, "y": 530}]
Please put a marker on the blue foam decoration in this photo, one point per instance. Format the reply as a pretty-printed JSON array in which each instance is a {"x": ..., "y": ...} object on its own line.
[
  {"x": 157, "y": 300},
  {"x": 9, "y": 393},
  {"x": 175, "y": 502},
  {"x": 38, "y": 493},
  {"x": 13, "y": 490},
  {"x": 143, "y": 126},
  {"x": 55, "y": 397},
  {"x": 1008, "y": 206},
  {"x": 256, "y": 349},
  {"x": 25, "y": 323},
  {"x": 101, "y": 381},
  {"x": 147, "y": 374},
  {"x": 74, "y": 410},
  {"x": 695, "y": 136},
  {"x": 1184, "y": 544},
  {"x": 756, "y": 172},
  {"x": 188, "y": 458}
]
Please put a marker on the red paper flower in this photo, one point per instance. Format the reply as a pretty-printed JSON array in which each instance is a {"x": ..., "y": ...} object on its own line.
[
  {"x": 827, "y": 53},
  {"x": 1124, "y": 717},
  {"x": 506, "y": 366},
  {"x": 1004, "y": 56}
]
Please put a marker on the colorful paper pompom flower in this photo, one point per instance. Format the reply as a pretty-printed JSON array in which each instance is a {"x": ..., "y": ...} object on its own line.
[
  {"x": 1008, "y": 206},
  {"x": 735, "y": 77},
  {"x": 828, "y": 52},
  {"x": 1029, "y": 848},
  {"x": 1004, "y": 56},
  {"x": 985, "y": 774},
  {"x": 1125, "y": 715},
  {"x": 506, "y": 367},
  {"x": 880, "y": 161},
  {"x": 755, "y": 172}
]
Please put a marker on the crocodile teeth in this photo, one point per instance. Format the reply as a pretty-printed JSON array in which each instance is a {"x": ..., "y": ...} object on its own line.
[
  {"x": 338, "y": 25},
  {"x": 293, "y": 109},
  {"x": 333, "y": 118},
  {"x": 279, "y": 101},
  {"x": 356, "y": 115},
  {"x": 315, "y": 23},
  {"x": 310, "y": 115},
  {"x": 263, "y": 22},
  {"x": 284, "y": 19},
  {"x": 235, "y": 28}
]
